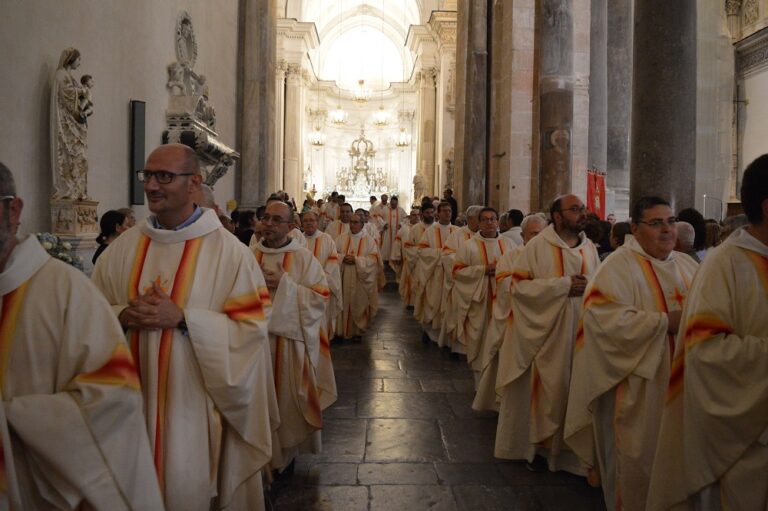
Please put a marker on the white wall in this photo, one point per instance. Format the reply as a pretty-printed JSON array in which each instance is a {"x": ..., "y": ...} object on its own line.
[{"x": 126, "y": 46}]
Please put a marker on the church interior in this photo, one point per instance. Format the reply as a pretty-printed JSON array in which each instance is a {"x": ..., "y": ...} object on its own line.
[{"x": 508, "y": 104}]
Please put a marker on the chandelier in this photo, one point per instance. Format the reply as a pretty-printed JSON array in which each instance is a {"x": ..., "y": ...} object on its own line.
[
  {"x": 317, "y": 137},
  {"x": 403, "y": 139},
  {"x": 381, "y": 117},
  {"x": 338, "y": 116},
  {"x": 361, "y": 94}
]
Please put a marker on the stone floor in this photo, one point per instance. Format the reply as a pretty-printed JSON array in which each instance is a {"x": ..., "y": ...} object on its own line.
[{"x": 403, "y": 436}]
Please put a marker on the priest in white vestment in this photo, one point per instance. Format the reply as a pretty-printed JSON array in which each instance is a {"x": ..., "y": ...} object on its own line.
[
  {"x": 394, "y": 217},
  {"x": 623, "y": 354},
  {"x": 340, "y": 226},
  {"x": 448, "y": 311},
  {"x": 414, "y": 238},
  {"x": 550, "y": 276},
  {"x": 429, "y": 271},
  {"x": 195, "y": 309},
  {"x": 360, "y": 265},
  {"x": 330, "y": 210},
  {"x": 402, "y": 250},
  {"x": 474, "y": 286},
  {"x": 299, "y": 293},
  {"x": 499, "y": 328},
  {"x": 72, "y": 426},
  {"x": 323, "y": 248},
  {"x": 713, "y": 444}
]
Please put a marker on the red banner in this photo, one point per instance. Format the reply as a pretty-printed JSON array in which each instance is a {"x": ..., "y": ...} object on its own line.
[{"x": 596, "y": 193}]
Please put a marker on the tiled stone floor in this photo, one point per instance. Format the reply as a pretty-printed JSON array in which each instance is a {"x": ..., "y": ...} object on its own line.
[{"x": 403, "y": 436}]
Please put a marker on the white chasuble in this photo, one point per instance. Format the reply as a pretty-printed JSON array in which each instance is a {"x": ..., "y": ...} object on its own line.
[
  {"x": 358, "y": 283},
  {"x": 448, "y": 309},
  {"x": 621, "y": 368},
  {"x": 298, "y": 315},
  {"x": 393, "y": 219},
  {"x": 70, "y": 392},
  {"x": 713, "y": 442},
  {"x": 486, "y": 397},
  {"x": 535, "y": 364},
  {"x": 429, "y": 273},
  {"x": 398, "y": 260},
  {"x": 209, "y": 397},
  {"x": 294, "y": 234},
  {"x": 336, "y": 229},
  {"x": 475, "y": 291},
  {"x": 412, "y": 259},
  {"x": 323, "y": 248}
]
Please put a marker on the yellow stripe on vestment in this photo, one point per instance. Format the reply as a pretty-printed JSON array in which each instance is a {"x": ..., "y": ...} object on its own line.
[
  {"x": 182, "y": 284},
  {"x": 703, "y": 327},
  {"x": 119, "y": 370},
  {"x": 595, "y": 297},
  {"x": 559, "y": 262},
  {"x": 658, "y": 295},
  {"x": 9, "y": 318}
]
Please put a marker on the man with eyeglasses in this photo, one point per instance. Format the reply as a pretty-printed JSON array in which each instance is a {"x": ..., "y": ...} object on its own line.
[
  {"x": 299, "y": 293},
  {"x": 340, "y": 226},
  {"x": 623, "y": 355},
  {"x": 71, "y": 424},
  {"x": 448, "y": 311},
  {"x": 549, "y": 277},
  {"x": 713, "y": 445},
  {"x": 360, "y": 265},
  {"x": 474, "y": 276},
  {"x": 194, "y": 307}
]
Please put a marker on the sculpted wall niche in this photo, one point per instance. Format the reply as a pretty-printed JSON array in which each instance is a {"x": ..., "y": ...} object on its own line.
[
  {"x": 190, "y": 118},
  {"x": 72, "y": 210}
]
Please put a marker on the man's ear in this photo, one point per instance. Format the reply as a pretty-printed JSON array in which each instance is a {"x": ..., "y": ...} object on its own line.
[{"x": 14, "y": 213}]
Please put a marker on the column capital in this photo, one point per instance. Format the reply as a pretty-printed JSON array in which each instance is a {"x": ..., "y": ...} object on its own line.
[
  {"x": 443, "y": 25},
  {"x": 732, "y": 7},
  {"x": 428, "y": 77}
]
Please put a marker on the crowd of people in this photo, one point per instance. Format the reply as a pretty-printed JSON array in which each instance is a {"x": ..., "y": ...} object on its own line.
[{"x": 196, "y": 364}]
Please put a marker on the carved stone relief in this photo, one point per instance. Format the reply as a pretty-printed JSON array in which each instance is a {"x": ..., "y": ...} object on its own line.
[
  {"x": 751, "y": 12},
  {"x": 732, "y": 7},
  {"x": 190, "y": 117}
]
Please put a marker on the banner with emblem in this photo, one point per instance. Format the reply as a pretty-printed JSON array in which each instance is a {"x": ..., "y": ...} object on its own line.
[{"x": 596, "y": 192}]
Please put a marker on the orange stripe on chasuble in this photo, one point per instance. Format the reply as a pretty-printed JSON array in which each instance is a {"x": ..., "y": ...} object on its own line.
[
  {"x": 316, "y": 248},
  {"x": 182, "y": 284},
  {"x": 483, "y": 252},
  {"x": 579, "y": 337},
  {"x": 142, "y": 247},
  {"x": 559, "y": 262},
  {"x": 761, "y": 264},
  {"x": 246, "y": 307},
  {"x": 658, "y": 295},
  {"x": 325, "y": 344},
  {"x": 119, "y": 370},
  {"x": 595, "y": 297},
  {"x": 9, "y": 318},
  {"x": 676, "y": 376},
  {"x": 583, "y": 270},
  {"x": 314, "y": 415}
]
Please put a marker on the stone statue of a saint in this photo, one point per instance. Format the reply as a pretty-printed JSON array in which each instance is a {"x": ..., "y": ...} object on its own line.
[
  {"x": 419, "y": 187},
  {"x": 69, "y": 130}
]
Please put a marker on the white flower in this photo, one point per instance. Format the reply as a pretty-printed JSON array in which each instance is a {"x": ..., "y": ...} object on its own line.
[
  {"x": 67, "y": 245},
  {"x": 47, "y": 245}
]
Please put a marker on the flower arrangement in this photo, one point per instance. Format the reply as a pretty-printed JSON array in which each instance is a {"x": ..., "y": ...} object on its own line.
[{"x": 61, "y": 250}]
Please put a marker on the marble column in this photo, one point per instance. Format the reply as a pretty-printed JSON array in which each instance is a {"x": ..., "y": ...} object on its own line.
[
  {"x": 619, "y": 58},
  {"x": 276, "y": 172},
  {"x": 462, "y": 29},
  {"x": 425, "y": 151},
  {"x": 598, "y": 86},
  {"x": 292, "y": 146},
  {"x": 555, "y": 99},
  {"x": 256, "y": 100},
  {"x": 473, "y": 114},
  {"x": 664, "y": 102}
]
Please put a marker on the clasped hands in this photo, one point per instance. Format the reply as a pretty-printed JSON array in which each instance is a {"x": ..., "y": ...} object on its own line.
[
  {"x": 578, "y": 285},
  {"x": 348, "y": 259},
  {"x": 272, "y": 278},
  {"x": 153, "y": 310},
  {"x": 490, "y": 269}
]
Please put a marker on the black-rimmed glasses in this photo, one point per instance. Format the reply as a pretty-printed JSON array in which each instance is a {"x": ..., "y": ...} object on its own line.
[
  {"x": 162, "y": 176},
  {"x": 658, "y": 222}
]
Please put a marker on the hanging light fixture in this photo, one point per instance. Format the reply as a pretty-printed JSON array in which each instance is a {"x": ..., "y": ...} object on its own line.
[
  {"x": 361, "y": 94},
  {"x": 317, "y": 137},
  {"x": 338, "y": 116},
  {"x": 403, "y": 139},
  {"x": 381, "y": 117}
]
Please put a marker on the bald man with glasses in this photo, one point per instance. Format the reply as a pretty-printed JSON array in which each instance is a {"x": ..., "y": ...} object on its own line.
[{"x": 194, "y": 307}]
